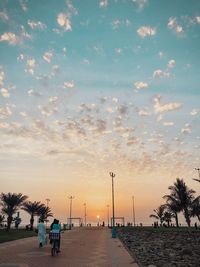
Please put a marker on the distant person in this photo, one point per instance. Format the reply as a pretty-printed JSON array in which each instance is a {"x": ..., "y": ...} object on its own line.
[
  {"x": 41, "y": 233},
  {"x": 56, "y": 228}
]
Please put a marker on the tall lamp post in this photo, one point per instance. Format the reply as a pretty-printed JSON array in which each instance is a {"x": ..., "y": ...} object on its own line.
[
  {"x": 85, "y": 212},
  {"x": 113, "y": 207},
  {"x": 70, "y": 212},
  {"x": 47, "y": 200},
  {"x": 133, "y": 211},
  {"x": 108, "y": 213}
]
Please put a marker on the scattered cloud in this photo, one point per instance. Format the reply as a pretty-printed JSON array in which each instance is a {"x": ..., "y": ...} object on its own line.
[
  {"x": 160, "y": 74},
  {"x": 64, "y": 21},
  {"x": 69, "y": 85},
  {"x": 23, "y": 4},
  {"x": 5, "y": 112},
  {"x": 198, "y": 19},
  {"x": 5, "y": 92},
  {"x": 9, "y": 37},
  {"x": 141, "y": 85},
  {"x": 140, "y": 3},
  {"x": 36, "y": 25},
  {"x": 173, "y": 25},
  {"x": 2, "y": 76},
  {"x": 168, "y": 123},
  {"x": 171, "y": 64},
  {"x": 31, "y": 92},
  {"x": 103, "y": 3},
  {"x": 186, "y": 129},
  {"x": 194, "y": 112},
  {"x": 145, "y": 31},
  {"x": 4, "y": 16},
  {"x": 48, "y": 56},
  {"x": 162, "y": 108}
]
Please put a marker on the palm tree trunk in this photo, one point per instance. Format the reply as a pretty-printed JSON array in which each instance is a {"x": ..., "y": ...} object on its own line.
[
  {"x": 176, "y": 219},
  {"x": 31, "y": 222},
  {"x": 9, "y": 221},
  {"x": 187, "y": 217}
]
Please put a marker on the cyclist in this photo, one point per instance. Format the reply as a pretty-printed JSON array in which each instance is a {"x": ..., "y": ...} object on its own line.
[{"x": 56, "y": 228}]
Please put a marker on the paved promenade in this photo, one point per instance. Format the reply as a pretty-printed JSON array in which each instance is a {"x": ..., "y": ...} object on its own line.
[{"x": 81, "y": 247}]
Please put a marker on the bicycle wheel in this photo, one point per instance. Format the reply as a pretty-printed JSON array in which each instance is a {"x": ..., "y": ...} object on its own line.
[{"x": 53, "y": 249}]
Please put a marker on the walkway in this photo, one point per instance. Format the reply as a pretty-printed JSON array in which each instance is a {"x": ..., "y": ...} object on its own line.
[{"x": 81, "y": 247}]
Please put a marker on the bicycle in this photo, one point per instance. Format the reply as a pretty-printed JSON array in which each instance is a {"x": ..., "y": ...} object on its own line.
[{"x": 54, "y": 237}]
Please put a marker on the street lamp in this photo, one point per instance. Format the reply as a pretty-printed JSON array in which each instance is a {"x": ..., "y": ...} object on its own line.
[
  {"x": 47, "y": 200},
  {"x": 133, "y": 211},
  {"x": 108, "y": 213},
  {"x": 198, "y": 170},
  {"x": 70, "y": 212},
  {"x": 85, "y": 212},
  {"x": 113, "y": 207}
]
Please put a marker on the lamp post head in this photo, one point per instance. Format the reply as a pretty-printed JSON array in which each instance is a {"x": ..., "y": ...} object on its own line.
[{"x": 112, "y": 174}]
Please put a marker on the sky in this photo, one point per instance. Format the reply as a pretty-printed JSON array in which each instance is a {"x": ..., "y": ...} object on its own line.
[{"x": 89, "y": 87}]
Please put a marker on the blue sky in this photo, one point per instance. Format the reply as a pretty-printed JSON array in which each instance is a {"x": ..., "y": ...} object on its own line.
[{"x": 92, "y": 86}]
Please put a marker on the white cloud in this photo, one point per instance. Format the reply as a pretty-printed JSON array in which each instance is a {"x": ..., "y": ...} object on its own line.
[
  {"x": 173, "y": 25},
  {"x": 160, "y": 74},
  {"x": 31, "y": 64},
  {"x": 9, "y": 37},
  {"x": 115, "y": 24},
  {"x": 141, "y": 85},
  {"x": 103, "y": 3},
  {"x": 64, "y": 21},
  {"x": 118, "y": 50},
  {"x": 2, "y": 76},
  {"x": 48, "y": 56},
  {"x": 161, "y": 108},
  {"x": 140, "y": 3},
  {"x": 31, "y": 92},
  {"x": 71, "y": 8},
  {"x": 5, "y": 112},
  {"x": 186, "y": 129},
  {"x": 23, "y": 4},
  {"x": 146, "y": 31},
  {"x": 198, "y": 19},
  {"x": 4, "y": 16},
  {"x": 36, "y": 25},
  {"x": 69, "y": 84},
  {"x": 161, "y": 54},
  {"x": 143, "y": 112},
  {"x": 5, "y": 92},
  {"x": 194, "y": 112},
  {"x": 171, "y": 63},
  {"x": 168, "y": 123}
]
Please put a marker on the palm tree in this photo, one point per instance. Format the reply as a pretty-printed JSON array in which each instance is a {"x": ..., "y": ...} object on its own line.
[
  {"x": 2, "y": 217},
  {"x": 184, "y": 196},
  {"x": 44, "y": 212},
  {"x": 11, "y": 202},
  {"x": 196, "y": 208},
  {"x": 159, "y": 213},
  {"x": 32, "y": 208},
  {"x": 168, "y": 217},
  {"x": 173, "y": 206}
]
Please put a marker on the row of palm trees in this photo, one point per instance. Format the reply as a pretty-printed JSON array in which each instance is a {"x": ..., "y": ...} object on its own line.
[
  {"x": 180, "y": 199},
  {"x": 12, "y": 202}
]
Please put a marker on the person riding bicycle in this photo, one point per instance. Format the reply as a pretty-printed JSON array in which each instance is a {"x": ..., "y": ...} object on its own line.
[{"x": 56, "y": 228}]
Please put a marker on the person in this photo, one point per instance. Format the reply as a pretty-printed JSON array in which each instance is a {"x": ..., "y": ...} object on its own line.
[
  {"x": 41, "y": 233},
  {"x": 56, "y": 228}
]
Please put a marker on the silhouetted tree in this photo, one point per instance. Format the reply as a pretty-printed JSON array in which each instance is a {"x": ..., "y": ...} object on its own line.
[
  {"x": 44, "y": 212},
  {"x": 196, "y": 208},
  {"x": 184, "y": 196},
  {"x": 173, "y": 205},
  {"x": 32, "y": 208},
  {"x": 159, "y": 214},
  {"x": 10, "y": 203}
]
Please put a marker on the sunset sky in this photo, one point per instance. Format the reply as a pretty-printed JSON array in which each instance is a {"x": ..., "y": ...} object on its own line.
[{"x": 93, "y": 86}]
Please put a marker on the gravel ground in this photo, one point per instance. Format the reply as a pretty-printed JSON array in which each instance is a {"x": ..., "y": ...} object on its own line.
[{"x": 162, "y": 247}]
